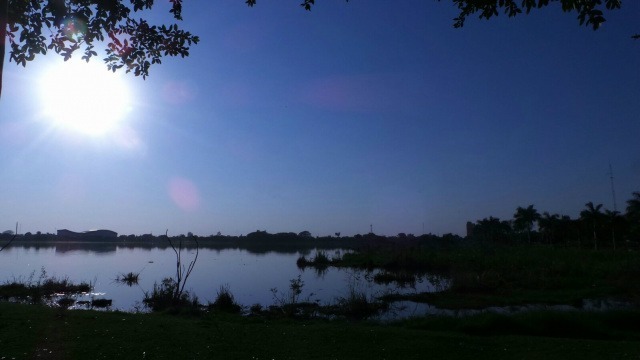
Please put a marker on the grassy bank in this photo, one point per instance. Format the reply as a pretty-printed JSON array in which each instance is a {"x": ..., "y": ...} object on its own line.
[{"x": 26, "y": 331}]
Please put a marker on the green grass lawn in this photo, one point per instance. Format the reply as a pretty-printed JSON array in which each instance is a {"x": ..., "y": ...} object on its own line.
[{"x": 28, "y": 332}]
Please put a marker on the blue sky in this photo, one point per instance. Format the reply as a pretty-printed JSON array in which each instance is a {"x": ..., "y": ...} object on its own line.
[{"x": 355, "y": 114}]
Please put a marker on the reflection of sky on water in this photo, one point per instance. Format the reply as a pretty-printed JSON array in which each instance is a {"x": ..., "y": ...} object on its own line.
[
  {"x": 250, "y": 276},
  {"x": 404, "y": 309}
]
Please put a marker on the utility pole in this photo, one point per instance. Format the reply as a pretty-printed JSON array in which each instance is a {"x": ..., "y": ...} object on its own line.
[{"x": 371, "y": 228}]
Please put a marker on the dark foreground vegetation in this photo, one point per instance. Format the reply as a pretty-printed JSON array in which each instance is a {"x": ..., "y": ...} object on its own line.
[
  {"x": 475, "y": 275},
  {"x": 478, "y": 276},
  {"x": 40, "y": 332},
  {"x": 532, "y": 259}
]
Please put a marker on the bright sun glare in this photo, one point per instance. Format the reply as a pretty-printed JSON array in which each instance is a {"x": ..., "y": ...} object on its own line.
[{"x": 84, "y": 97}]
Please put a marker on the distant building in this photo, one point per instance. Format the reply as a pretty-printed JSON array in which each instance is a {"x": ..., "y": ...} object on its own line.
[
  {"x": 68, "y": 234},
  {"x": 102, "y": 234},
  {"x": 470, "y": 227},
  {"x": 91, "y": 235}
]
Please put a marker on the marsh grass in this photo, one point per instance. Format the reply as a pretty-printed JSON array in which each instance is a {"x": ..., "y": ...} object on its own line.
[
  {"x": 289, "y": 304},
  {"x": 401, "y": 278},
  {"x": 292, "y": 297},
  {"x": 225, "y": 301},
  {"x": 303, "y": 262},
  {"x": 478, "y": 271},
  {"x": 37, "y": 291},
  {"x": 358, "y": 306},
  {"x": 63, "y": 286},
  {"x": 320, "y": 261},
  {"x": 321, "y": 258},
  {"x": 162, "y": 298}
]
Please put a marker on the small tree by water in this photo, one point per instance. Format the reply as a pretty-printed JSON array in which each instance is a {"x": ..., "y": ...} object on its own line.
[
  {"x": 15, "y": 233},
  {"x": 170, "y": 293},
  {"x": 182, "y": 272}
]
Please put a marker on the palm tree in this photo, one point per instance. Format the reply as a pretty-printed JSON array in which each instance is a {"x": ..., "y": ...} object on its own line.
[
  {"x": 492, "y": 229},
  {"x": 548, "y": 225},
  {"x": 524, "y": 218},
  {"x": 568, "y": 229},
  {"x": 613, "y": 218},
  {"x": 592, "y": 216},
  {"x": 633, "y": 215}
]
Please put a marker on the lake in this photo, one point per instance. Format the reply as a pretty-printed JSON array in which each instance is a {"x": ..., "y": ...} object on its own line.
[{"x": 249, "y": 275}]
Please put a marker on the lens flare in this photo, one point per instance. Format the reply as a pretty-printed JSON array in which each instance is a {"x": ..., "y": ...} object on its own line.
[
  {"x": 184, "y": 194},
  {"x": 73, "y": 26}
]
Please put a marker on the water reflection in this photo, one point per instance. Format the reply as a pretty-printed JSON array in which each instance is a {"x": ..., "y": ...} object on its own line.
[
  {"x": 404, "y": 309},
  {"x": 113, "y": 246},
  {"x": 249, "y": 275},
  {"x": 98, "y": 248}
]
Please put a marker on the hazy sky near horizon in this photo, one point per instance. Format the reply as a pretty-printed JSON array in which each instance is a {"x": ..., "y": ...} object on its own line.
[{"x": 354, "y": 114}]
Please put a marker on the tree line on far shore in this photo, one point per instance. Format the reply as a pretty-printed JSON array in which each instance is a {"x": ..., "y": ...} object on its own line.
[{"x": 596, "y": 227}]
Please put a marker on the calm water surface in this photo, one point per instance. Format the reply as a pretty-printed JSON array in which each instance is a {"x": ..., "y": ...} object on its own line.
[{"x": 250, "y": 276}]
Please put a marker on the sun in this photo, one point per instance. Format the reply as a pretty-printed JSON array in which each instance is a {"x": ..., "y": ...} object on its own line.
[{"x": 84, "y": 98}]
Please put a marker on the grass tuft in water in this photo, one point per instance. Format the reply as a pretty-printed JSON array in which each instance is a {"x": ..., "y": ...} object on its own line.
[{"x": 128, "y": 279}]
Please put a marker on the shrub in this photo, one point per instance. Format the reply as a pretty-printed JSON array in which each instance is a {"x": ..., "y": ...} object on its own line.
[
  {"x": 225, "y": 301},
  {"x": 101, "y": 303},
  {"x": 163, "y": 297},
  {"x": 255, "y": 309},
  {"x": 66, "y": 302}
]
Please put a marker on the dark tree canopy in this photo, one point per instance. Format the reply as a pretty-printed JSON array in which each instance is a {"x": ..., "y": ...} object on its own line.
[
  {"x": 590, "y": 12},
  {"x": 35, "y": 27}
]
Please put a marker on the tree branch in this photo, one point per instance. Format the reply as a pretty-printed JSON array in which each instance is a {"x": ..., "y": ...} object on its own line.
[
  {"x": 4, "y": 14},
  {"x": 182, "y": 273},
  {"x": 192, "y": 264}
]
